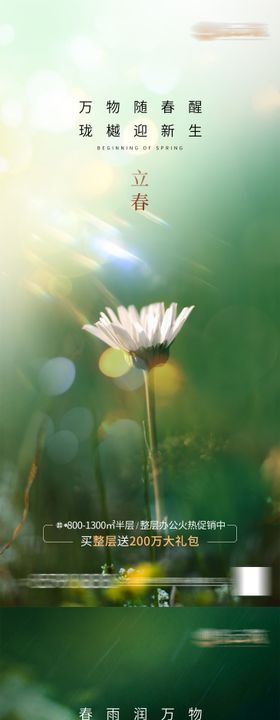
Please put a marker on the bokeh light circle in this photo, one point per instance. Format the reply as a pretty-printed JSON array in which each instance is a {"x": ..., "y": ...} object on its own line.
[
  {"x": 52, "y": 105},
  {"x": 86, "y": 54},
  {"x": 113, "y": 363},
  {"x": 168, "y": 379},
  {"x": 158, "y": 76},
  {"x": 132, "y": 380},
  {"x": 95, "y": 178},
  {"x": 125, "y": 429},
  {"x": 79, "y": 421},
  {"x": 56, "y": 376},
  {"x": 7, "y": 35},
  {"x": 62, "y": 447}
]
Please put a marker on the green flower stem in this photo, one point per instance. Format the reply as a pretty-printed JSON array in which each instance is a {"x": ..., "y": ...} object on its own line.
[
  {"x": 103, "y": 503},
  {"x": 146, "y": 487},
  {"x": 152, "y": 437}
]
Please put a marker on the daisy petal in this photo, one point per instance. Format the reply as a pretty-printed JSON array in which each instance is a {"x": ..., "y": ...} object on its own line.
[
  {"x": 133, "y": 314},
  {"x": 181, "y": 319},
  {"x": 125, "y": 340},
  {"x": 167, "y": 322},
  {"x": 113, "y": 317},
  {"x": 101, "y": 334},
  {"x": 124, "y": 317}
]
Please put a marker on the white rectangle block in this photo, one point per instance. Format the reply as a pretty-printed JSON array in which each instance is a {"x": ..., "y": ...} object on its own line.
[{"x": 251, "y": 581}]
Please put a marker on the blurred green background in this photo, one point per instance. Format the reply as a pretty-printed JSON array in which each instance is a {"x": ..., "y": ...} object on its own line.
[
  {"x": 127, "y": 660},
  {"x": 71, "y": 244}
]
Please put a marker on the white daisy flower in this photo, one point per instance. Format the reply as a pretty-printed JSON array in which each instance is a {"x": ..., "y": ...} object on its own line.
[{"x": 146, "y": 335}]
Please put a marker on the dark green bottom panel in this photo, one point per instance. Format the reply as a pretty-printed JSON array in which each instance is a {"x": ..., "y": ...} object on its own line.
[{"x": 208, "y": 663}]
